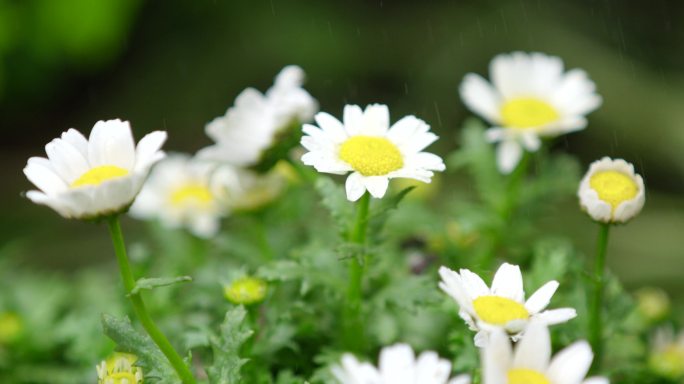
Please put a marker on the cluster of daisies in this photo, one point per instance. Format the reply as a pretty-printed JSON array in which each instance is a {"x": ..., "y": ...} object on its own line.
[
  {"x": 107, "y": 173},
  {"x": 530, "y": 97}
]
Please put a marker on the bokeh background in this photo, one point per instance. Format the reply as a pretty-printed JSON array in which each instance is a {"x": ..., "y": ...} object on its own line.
[{"x": 176, "y": 64}]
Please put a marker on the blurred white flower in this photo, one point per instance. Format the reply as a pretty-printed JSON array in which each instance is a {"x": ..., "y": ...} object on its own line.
[
  {"x": 502, "y": 306},
  {"x": 254, "y": 123},
  {"x": 398, "y": 364},
  {"x": 87, "y": 178},
  {"x": 370, "y": 149},
  {"x": 531, "y": 362},
  {"x": 530, "y": 97},
  {"x": 179, "y": 193},
  {"x": 667, "y": 354},
  {"x": 611, "y": 192}
]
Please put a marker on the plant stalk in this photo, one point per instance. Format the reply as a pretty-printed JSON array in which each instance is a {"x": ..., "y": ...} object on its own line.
[
  {"x": 139, "y": 306},
  {"x": 354, "y": 327},
  {"x": 595, "y": 313}
]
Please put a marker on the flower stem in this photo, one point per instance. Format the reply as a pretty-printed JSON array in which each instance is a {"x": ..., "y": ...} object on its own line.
[
  {"x": 139, "y": 306},
  {"x": 354, "y": 329},
  {"x": 595, "y": 313},
  {"x": 506, "y": 209}
]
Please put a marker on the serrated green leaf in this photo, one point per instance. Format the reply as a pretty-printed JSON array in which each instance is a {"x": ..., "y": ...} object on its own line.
[
  {"x": 153, "y": 362},
  {"x": 226, "y": 347},
  {"x": 380, "y": 212},
  {"x": 335, "y": 200},
  {"x": 156, "y": 282}
]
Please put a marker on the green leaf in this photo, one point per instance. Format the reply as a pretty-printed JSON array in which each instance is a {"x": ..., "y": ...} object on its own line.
[
  {"x": 155, "y": 282},
  {"x": 226, "y": 347},
  {"x": 380, "y": 211},
  {"x": 335, "y": 200},
  {"x": 153, "y": 362}
]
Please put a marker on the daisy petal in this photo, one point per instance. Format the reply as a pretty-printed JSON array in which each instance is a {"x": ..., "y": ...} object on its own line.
[
  {"x": 556, "y": 316},
  {"x": 508, "y": 282},
  {"x": 355, "y": 186},
  {"x": 541, "y": 298},
  {"x": 571, "y": 365},
  {"x": 534, "y": 350}
]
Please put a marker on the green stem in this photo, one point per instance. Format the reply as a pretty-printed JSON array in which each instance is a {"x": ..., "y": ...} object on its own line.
[
  {"x": 354, "y": 329},
  {"x": 506, "y": 209},
  {"x": 139, "y": 306},
  {"x": 595, "y": 313}
]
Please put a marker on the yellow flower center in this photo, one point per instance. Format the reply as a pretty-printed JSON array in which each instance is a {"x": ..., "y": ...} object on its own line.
[
  {"x": 191, "y": 194},
  {"x": 371, "y": 156},
  {"x": 613, "y": 187},
  {"x": 527, "y": 112},
  {"x": 499, "y": 310},
  {"x": 526, "y": 376},
  {"x": 245, "y": 290},
  {"x": 121, "y": 378},
  {"x": 97, "y": 175}
]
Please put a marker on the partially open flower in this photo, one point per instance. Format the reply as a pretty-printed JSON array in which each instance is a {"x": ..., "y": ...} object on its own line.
[
  {"x": 398, "y": 364},
  {"x": 87, "y": 178},
  {"x": 502, "y": 306},
  {"x": 667, "y": 355},
  {"x": 531, "y": 361},
  {"x": 119, "y": 369},
  {"x": 373, "y": 151},
  {"x": 254, "y": 124},
  {"x": 653, "y": 303},
  {"x": 245, "y": 290},
  {"x": 611, "y": 192},
  {"x": 530, "y": 97},
  {"x": 180, "y": 194}
]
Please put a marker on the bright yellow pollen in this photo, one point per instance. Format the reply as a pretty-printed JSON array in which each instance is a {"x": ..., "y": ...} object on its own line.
[
  {"x": 527, "y": 112},
  {"x": 245, "y": 290},
  {"x": 371, "y": 156},
  {"x": 613, "y": 187},
  {"x": 191, "y": 194},
  {"x": 97, "y": 175},
  {"x": 526, "y": 376},
  {"x": 499, "y": 310}
]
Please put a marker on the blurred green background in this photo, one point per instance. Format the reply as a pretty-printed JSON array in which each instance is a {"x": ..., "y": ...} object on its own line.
[{"x": 175, "y": 65}]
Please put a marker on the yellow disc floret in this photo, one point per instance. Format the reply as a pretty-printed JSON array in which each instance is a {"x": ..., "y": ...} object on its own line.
[
  {"x": 499, "y": 310},
  {"x": 245, "y": 290},
  {"x": 613, "y": 187},
  {"x": 97, "y": 175},
  {"x": 526, "y": 376},
  {"x": 527, "y": 112},
  {"x": 191, "y": 194},
  {"x": 371, "y": 156}
]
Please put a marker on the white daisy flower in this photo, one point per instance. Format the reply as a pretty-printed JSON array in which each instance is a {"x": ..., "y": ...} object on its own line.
[
  {"x": 502, "y": 306},
  {"x": 246, "y": 190},
  {"x": 87, "y": 178},
  {"x": 367, "y": 146},
  {"x": 531, "y": 97},
  {"x": 254, "y": 123},
  {"x": 531, "y": 362},
  {"x": 179, "y": 193},
  {"x": 611, "y": 192},
  {"x": 398, "y": 365}
]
